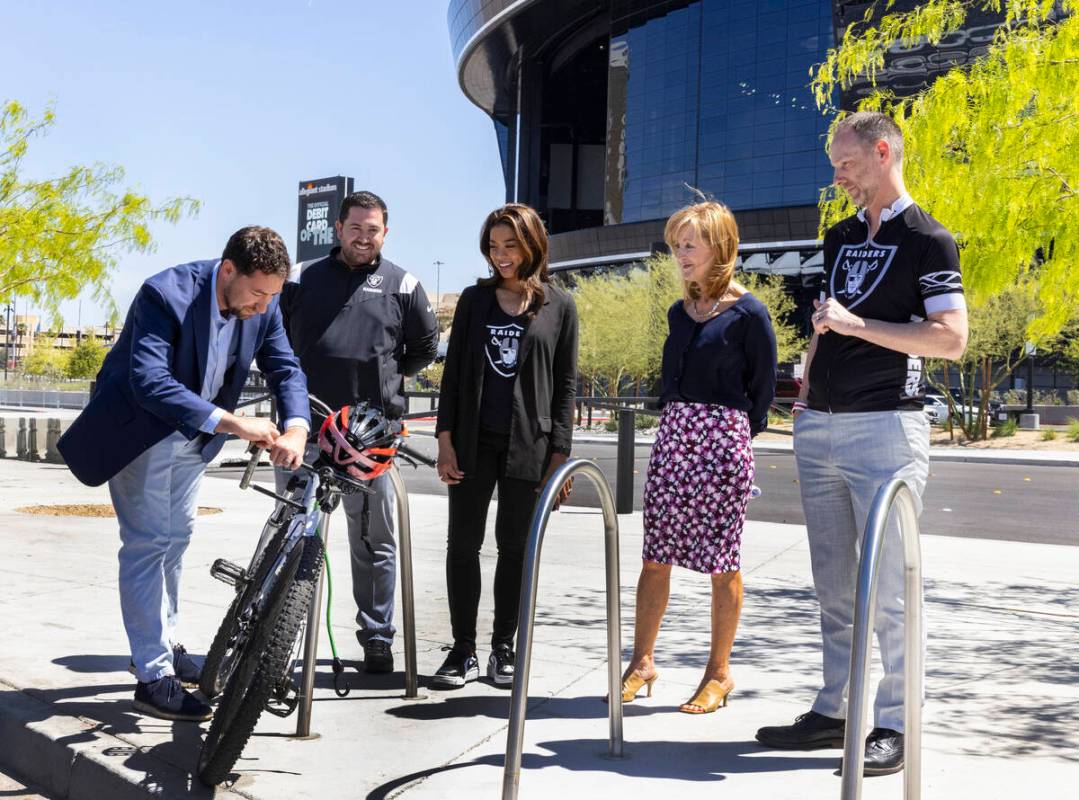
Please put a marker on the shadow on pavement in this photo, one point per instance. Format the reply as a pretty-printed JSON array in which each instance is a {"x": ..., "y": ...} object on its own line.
[{"x": 689, "y": 761}]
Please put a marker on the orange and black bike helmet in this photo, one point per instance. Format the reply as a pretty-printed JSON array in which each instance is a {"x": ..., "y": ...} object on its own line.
[{"x": 360, "y": 439}]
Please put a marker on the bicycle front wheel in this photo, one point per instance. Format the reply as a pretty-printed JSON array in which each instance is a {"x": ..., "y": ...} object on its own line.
[
  {"x": 265, "y": 662},
  {"x": 234, "y": 634}
]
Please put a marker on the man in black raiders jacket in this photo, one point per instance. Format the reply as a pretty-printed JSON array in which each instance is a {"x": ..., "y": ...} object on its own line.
[
  {"x": 894, "y": 296},
  {"x": 359, "y": 324}
]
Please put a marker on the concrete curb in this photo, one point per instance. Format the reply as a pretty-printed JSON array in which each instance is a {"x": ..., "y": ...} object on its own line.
[{"x": 75, "y": 759}]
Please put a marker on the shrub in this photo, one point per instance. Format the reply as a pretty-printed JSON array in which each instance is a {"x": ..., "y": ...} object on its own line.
[
  {"x": 1005, "y": 429},
  {"x": 1048, "y": 435},
  {"x": 611, "y": 425},
  {"x": 645, "y": 421},
  {"x": 1073, "y": 429}
]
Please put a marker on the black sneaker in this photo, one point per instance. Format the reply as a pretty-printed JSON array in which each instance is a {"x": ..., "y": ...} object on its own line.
[
  {"x": 500, "y": 665},
  {"x": 377, "y": 658},
  {"x": 811, "y": 731},
  {"x": 165, "y": 698},
  {"x": 185, "y": 667},
  {"x": 459, "y": 668}
]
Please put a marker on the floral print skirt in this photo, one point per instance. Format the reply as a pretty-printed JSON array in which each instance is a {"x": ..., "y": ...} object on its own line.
[{"x": 699, "y": 477}]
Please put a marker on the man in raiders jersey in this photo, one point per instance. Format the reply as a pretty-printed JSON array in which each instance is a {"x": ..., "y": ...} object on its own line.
[{"x": 894, "y": 296}]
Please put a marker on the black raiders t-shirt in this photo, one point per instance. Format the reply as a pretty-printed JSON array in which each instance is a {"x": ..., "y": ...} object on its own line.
[
  {"x": 909, "y": 270},
  {"x": 501, "y": 345}
]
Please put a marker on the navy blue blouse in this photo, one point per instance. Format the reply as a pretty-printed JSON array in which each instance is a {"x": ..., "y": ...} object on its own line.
[{"x": 730, "y": 360}]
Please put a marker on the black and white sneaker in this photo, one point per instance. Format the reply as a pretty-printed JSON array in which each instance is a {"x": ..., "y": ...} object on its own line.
[
  {"x": 459, "y": 668},
  {"x": 500, "y": 665}
]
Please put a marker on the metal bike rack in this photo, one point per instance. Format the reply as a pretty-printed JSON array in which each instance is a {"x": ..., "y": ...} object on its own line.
[
  {"x": 408, "y": 601},
  {"x": 511, "y": 777},
  {"x": 895, "y": 492},
  {"x": 314, "y": 614}
]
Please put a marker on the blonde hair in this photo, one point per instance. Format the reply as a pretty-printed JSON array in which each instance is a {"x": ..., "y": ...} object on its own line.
[{"x": 715, "y": 225}]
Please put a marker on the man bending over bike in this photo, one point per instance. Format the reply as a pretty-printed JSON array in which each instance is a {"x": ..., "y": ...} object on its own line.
[{"x": 160, "y": 411}]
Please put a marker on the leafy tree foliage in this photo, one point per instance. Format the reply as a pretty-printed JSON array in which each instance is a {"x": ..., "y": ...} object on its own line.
[
  {"x": 85, "y": 358},
  {"x": 992, "y": 148},
  {"x": 63, "y": 236}
]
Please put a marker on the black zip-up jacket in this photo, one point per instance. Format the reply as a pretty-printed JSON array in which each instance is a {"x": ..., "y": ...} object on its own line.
[
  {"x": 543, "y": 393},
  {"x": 359, "y": 331}
]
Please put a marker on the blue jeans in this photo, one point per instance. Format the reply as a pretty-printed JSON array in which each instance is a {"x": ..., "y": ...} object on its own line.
[
  {"x": 155, "y": 497},
  {"x": 842, "y": 460},
  {"x": 374, "y": 569}
]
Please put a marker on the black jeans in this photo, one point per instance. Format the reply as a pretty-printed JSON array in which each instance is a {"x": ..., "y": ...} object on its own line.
[{"x": 469, "y": 501}]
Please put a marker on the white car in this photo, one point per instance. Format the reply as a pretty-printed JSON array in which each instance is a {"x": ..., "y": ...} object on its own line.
[{"x": 936, "y": 409}]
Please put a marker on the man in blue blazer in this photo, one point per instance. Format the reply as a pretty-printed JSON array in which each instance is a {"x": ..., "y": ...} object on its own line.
[{"x": 161, "y": 410}]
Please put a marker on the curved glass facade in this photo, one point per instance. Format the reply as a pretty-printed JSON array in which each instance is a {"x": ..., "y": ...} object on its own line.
[{"x": 712, "y": 95}]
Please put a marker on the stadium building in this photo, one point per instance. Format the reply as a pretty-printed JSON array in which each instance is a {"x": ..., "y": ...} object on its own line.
[{"x": 609, "y": 113}]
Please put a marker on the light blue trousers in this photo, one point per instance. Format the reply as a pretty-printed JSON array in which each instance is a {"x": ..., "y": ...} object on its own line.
[
  {"x": 373, "y": 557},
  {"x": 842, "y": 460},
  {"x": 155, "y": 497}
]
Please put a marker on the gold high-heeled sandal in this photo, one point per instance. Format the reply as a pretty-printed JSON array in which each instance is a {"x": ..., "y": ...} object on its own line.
[
  {"x": 633, "y": 684},
  {"x": 708, "y": 699}
]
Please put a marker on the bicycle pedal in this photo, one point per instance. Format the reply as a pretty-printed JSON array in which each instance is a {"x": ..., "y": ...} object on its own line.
[{"x": 227, "y": 572}]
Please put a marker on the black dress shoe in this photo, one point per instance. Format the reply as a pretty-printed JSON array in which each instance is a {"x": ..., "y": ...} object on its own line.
[
  {"x": 883, "y": 752},
  {"x": 377, "y": 657},
  {"x": 811, "y": 731}
]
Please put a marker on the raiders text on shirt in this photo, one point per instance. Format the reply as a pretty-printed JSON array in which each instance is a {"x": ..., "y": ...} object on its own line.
[{"x": 909, "y": 270}]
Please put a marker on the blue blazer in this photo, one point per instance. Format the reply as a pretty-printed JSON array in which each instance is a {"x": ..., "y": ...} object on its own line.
[{"x": 149, "y": 383}]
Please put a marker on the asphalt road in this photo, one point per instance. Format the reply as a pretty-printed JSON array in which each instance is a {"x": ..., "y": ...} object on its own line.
[{"x": 978, "y": 501}]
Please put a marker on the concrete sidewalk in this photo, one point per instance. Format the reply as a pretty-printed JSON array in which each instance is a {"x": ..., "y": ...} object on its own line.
[{"x": 1001, "y": 719}]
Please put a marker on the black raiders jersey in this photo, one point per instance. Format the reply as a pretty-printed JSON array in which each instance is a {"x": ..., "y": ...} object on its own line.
[{"x": 909, "y": 270}]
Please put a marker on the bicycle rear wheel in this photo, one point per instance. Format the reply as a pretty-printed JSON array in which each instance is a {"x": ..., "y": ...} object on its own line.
[{"x": 263, "y": 664}]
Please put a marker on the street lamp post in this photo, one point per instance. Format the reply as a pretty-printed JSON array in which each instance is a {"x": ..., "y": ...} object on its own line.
[
  {"x": 7, "y": 337},
  {"x": 438, "y": 297}
]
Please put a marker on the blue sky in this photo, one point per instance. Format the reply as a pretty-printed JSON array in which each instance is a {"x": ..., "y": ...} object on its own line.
[{"x": 235, "y": 103}]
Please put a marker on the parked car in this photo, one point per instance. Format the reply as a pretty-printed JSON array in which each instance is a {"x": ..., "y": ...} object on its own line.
[{"x": 936, "y": 409}]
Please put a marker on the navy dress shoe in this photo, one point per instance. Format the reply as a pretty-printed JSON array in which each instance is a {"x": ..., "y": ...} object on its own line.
[{"x": 165, "y": 698}]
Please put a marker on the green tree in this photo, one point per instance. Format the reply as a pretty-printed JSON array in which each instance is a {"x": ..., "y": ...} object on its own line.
[
  {"x": 63, "y": 236},
  {"x": 45, "y": 360},
  {"x": 992, "y": 148},
  {"x": 85, "y": 358}
]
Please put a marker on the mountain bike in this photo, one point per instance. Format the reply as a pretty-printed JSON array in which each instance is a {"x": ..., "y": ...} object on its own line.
[{"x": 252, "y": 661}]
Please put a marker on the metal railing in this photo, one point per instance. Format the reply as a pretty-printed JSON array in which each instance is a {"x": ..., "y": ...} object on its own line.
[
  {"x": 310, "y": 650},
  {"x": 895, "y": 492},
  {"x": 511, "y": 777}
]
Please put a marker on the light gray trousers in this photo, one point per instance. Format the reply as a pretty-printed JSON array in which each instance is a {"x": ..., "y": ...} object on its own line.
[
  {"x": 843, "y": 459},
  {"x": 372, "y": 521}
]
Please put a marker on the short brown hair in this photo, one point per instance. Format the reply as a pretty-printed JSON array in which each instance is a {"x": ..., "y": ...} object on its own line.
[
  {"x": 257, "y": 248},
  {"x": 715, "y": 224},
  {"x": 870, "y": 127},
  {"x": 363, "y": 200},
  {"x": 529, "y": 231}
]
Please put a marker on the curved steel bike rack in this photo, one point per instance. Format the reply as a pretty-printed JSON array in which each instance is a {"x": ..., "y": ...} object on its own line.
[
  {"x": 511, "y": 777},
  {"x": 895, "y": 492},
  {"x": 314, "y": 614}
]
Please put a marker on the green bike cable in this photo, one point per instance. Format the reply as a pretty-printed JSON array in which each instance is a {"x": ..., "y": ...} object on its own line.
[{"x": 338, "y": 667}]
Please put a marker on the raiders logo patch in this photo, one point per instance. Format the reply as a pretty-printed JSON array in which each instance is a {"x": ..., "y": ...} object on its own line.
[
  {"x": 374, "y": 281},
  {"x": 858, "y": 270},
  {"x": 503, "y": 342}
]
